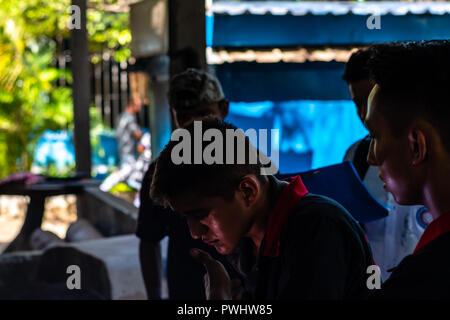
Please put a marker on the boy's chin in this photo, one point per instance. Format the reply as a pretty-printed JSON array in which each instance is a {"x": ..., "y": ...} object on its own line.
[
  {"x": 405, "y": 201},
  {"x": 224, "y": 249}
]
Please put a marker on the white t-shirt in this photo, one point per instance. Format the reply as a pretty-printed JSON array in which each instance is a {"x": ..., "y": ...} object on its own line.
[{"x": 394, "y": 237}]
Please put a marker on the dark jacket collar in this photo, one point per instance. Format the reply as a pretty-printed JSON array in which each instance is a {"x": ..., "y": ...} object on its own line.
[{"x": 287, "y": 199}]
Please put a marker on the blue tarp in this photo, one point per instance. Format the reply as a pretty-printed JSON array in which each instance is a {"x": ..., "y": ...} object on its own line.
[
  {"x": 311, "y": 134},
  {"x": 290, "y": 24},
  {"x": 341, "y": 183},
  {"x": 57, "y": 148}
]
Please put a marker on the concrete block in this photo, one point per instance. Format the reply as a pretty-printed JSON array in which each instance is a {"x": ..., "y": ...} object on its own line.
[
  {"x": 120, "y": 256},
  {"x": 41, "y": 240},
  {"x": 109, "y": 269},
  {"x": 82, "y": 230}
]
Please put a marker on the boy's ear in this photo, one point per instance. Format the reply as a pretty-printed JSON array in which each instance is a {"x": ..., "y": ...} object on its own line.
[
  {"x": 250, "y": 188},
  {"x": 418, "y": 145}
]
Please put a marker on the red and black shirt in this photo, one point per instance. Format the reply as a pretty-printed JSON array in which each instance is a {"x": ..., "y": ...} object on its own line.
[
  {"x": 425, "y": 274},
  {"x": 312, "y": 249}
]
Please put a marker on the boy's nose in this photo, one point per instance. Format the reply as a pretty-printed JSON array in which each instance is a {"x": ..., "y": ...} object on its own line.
[{"x": 196, "y": 228}]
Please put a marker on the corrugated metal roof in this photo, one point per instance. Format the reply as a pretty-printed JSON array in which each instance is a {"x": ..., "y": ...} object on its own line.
[
  {"x": 278, "y": 55},
  {"x": 334, "y": 8}
]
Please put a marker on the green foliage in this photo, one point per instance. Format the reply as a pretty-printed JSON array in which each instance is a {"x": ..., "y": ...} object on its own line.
[
  {"x": 31, "y": 34},
  {"x": 121, "y": 187},
  {"x": 53, "y": 171},
  {"x": 29, "y": 102},
  {"x": 97, "y": 128},
  {"x": 108, "y": 31}
]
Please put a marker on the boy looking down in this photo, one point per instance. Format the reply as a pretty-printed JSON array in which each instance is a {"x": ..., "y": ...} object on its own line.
[{"x": 285, "y": 242}]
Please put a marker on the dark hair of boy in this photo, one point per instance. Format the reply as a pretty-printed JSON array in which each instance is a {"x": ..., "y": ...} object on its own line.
[
  {"x": 206, "y": 179},
  {"x": 356, "y": 67},
  {"x": 415, "y": 77}
]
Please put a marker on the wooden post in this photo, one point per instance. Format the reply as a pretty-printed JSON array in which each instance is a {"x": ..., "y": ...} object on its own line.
[
  {"x": 81, "y": 92},
  {"x": 187, "y": 35}
]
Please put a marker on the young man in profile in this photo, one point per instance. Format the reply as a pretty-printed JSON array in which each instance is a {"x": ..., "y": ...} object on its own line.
[
  {"x": 286, "y": 242},
  {"x": 395, "y": 236},
  {"x": 408, "y": 118}
]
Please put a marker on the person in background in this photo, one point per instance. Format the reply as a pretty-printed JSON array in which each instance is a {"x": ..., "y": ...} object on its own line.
[
  {"x": 141, "y": 166},
  {"x": 356, "y": 75},
  {"x": 408, "y": 116},
  {"x": 128, "y": 134},
  {"x": 395, "y": 236},
  {"x": 193, "y": 94}
]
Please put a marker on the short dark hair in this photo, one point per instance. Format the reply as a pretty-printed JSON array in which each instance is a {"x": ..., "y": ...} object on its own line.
[
  {"x": 209, "y": 180},
  {"x": 356, "y": 68},
  {"x": 415, "y": 77}
]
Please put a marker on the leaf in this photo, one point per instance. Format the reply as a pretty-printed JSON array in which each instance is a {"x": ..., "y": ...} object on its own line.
[{"x": 50, "y": 74}]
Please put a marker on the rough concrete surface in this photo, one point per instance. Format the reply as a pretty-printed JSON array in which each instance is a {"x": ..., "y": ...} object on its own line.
[
  {"x": 120, "y": 256},
  {"x": 109, "y": 269}
]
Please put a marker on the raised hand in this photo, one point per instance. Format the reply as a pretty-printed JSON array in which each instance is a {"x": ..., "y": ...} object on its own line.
[{"x": 217, "y": 281}]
